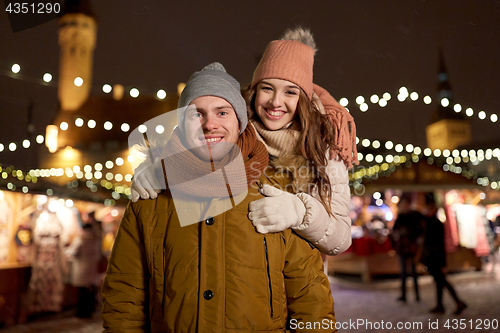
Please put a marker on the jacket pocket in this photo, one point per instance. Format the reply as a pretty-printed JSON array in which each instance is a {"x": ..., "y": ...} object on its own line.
[{"x": 269, "y": 278}]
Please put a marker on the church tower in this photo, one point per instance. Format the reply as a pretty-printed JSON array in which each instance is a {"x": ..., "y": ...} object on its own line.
[
  {"x": 77, "y": 37},
  {"x": 448, "y": 129}
]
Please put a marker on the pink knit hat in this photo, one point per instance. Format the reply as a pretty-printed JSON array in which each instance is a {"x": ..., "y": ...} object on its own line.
[{"x": 290, "y": 58}]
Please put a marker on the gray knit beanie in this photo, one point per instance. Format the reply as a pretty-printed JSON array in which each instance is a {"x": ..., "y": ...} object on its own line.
[{"x": 213, "y": 80}]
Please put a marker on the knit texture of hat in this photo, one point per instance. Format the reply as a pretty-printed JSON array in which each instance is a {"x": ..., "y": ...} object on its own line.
[
  {"x": 213, "y": 80},
  {"x": 290, "y": 60}
]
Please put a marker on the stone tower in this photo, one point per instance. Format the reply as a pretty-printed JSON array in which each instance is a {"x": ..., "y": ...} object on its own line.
[
  {"x": 77, "y": 37},
  {"x": 448, "y": 129}
]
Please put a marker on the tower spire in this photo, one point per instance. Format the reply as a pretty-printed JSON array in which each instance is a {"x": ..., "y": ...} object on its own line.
[
  {"x": 448, "y": 128},
  {"x": 77, "y": 37}
]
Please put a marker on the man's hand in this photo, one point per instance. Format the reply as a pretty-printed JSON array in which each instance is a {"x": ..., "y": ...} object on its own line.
[
  {"x": 278, "y": 211},
  {"x": 146, "y": 184}
]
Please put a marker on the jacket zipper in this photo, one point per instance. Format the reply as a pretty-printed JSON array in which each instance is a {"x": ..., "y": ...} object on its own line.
[
  {"x": 269, "y": 278},
  {"x": 163, "y": 257}
]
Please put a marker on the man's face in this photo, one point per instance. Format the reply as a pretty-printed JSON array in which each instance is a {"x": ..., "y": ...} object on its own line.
[{"x": 211, "y": 127}]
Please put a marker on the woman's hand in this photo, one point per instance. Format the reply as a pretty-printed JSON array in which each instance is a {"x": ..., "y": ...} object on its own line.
[
  {"x": 278, "y": 211},
  {"x": 146, "y": 184}
]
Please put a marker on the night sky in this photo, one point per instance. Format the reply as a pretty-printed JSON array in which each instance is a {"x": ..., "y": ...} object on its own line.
[{"x": 365, "y": 48}]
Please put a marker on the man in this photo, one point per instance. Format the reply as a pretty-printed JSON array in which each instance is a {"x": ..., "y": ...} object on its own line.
[{"x": 218, "y": 275}]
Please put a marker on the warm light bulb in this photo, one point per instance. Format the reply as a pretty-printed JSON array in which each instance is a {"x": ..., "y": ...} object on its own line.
[
  {"x": 161, "y": 94},
  {"x": 107, "y": 88},
  {"x": 47, "y": 77},
  {"x": 125, "y": 127},
  {"x": 16, "y": 68},
  {"x": 134, "y": 92},
  {"x": 78, "y": 82}
]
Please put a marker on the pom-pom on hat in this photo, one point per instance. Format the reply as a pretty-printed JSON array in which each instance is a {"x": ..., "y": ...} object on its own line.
[
  {"x": 291, "y": 58},
  {"x": 213, "y": 80}
]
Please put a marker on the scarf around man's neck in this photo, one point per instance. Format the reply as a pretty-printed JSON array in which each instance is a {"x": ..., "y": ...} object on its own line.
[{"x": 214, "y": 179}]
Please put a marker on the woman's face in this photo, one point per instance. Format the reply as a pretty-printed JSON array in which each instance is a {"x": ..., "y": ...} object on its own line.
[{"x": 276, "y": 102}]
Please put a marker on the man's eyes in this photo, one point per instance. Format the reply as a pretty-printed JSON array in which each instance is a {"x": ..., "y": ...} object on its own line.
[{"x": 195, "y": 115}]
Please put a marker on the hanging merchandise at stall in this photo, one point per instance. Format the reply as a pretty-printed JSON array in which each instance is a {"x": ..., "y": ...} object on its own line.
[{"x": 466, "y": 223}]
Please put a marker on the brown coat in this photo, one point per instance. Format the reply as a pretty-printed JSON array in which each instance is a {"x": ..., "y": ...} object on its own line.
[{"x": 218, "y": 275}]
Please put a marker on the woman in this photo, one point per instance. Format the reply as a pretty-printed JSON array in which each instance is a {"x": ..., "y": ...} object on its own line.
[
  {"x": 309, "y": 135},
  {"x": 307, "y": 132}
]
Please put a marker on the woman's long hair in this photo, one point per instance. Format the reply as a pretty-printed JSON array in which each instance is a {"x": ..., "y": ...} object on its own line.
[{"x": 316, "y": 139}]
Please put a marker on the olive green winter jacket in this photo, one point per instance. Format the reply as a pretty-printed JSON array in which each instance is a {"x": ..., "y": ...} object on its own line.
[{"x": 218, "y": 275}]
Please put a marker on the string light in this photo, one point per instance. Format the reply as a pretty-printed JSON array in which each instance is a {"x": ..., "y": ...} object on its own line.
[
  {"x": 134, "y": 92},
  {"x": 47, "y": 77},
  {"x": 16, "y": 68},
  {"x": 107, "y": 88},
  {"x": 360, "y": 100},
  {"x": 160, "y": 129},
  {"x": 125, "y": 127},
  {"x": 78, "y": 81},
  {"x": 161, "y": 94},
  {"x": 403, "y": 94}
]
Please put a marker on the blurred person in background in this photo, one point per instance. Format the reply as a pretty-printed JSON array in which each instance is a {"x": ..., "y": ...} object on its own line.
[
  {"x": 434, "y": 257},
  {"x": 407, "y": 238},
  {"x": 85, "y": 252}
]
